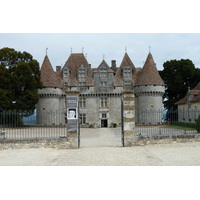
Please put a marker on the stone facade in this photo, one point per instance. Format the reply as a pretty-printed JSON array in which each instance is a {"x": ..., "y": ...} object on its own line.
[
  {"x": 189, "y": 106},
  {"x": 128, "y": 117},
  {"x": 100, "y": 90}
]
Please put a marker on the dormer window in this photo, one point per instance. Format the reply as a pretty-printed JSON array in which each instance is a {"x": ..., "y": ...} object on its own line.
[
  {"x": 127, "y": 76},
  {"x": 82, "y": 75},
  {"x": 66, "y": 74},
  {"x": 103, "y": 72}
]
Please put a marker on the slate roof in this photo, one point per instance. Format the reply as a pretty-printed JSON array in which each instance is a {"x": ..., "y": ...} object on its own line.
[
  {"x": 103, "y": 63},
  {"x": 50, "y": 78},
  {"x": 149, "y": 74},
  {"x": 119, "y": 74},
  {"x": 74, "y": 61},
  {"x": 191, "y": 97}
]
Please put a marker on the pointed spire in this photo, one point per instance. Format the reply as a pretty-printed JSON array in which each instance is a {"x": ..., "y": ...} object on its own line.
[
  {"x": 149, "y": 49},
  {"x": 105, "y": 64},
  {"x": 149, "y": 74},
  {"x": 46, "y": 51},
  {"x": 46, "y": 65},
  {"x": 48, "y": 76},
  {"x": 126, "y": 61}
]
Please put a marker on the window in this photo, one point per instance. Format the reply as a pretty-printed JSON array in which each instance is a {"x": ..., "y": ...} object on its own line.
[
  {"x": 104, "y": 115},
  {"x": 103, "y": 84},
  {"x": 127, "y": 75},
  {"x": 103, "y": 76},
  {"x": 103, "y": 102},
  {"x": 82, "y": 103},
  {"x": 82, "y": 118},
  {"x": 65, "y": 73},
  {"x": 65, "y": 76},
  {"x": 82, "y": 75}
]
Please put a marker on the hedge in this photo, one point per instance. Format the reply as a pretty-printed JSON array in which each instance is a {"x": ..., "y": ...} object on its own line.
[{"x": 185, "y": 124}]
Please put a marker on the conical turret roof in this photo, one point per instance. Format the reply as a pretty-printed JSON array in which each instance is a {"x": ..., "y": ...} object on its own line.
[
  {"x": 119, "y": 74},
  {"x": 149, "y": 74},
  {"x": 49, "y": 78}
]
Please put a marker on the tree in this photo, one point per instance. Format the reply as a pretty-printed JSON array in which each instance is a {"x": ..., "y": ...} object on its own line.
[
  {"x": 178, "y": 75},
  {"x": 19, "y": 80}
]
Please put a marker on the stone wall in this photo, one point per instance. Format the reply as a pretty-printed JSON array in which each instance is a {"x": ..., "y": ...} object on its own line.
[
  {"x": 65, "y": 144},
  {"x": 128, "y": 117},
  {"x": 94, "y": 112},
  {"x": 188, "y": 113},
  {"x": 50, "y": 107},
  {"x": 55, "y": 144},
  {"x": 149, "y": 98},
  {"x": 141, "y": 141}
]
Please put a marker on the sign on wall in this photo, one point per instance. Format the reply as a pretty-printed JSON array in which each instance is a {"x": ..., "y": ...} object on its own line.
[{"x": 72, "y": 114}]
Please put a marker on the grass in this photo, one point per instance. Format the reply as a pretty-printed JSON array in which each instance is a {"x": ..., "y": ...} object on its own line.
[{"x": 179, "y": 127}]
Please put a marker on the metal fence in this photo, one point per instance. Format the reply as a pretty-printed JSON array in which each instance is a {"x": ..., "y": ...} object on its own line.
[
  {"x": 16, "y": 126},
  {"x": 166, "y": 122}
]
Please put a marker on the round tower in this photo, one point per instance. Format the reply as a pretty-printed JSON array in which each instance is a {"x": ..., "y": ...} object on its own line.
[
  {"x": 149, "y": 90},
  {"x": 50, "y": 107}
]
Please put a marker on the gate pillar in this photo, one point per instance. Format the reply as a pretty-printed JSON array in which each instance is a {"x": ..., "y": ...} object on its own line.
[
  {"x": 72, "y": 118},
  {"x": 128, "y": 117}
]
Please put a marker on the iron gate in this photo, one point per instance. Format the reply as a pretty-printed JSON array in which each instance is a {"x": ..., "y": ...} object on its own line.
[
  {"x": 122, "y": 121},
  {"x": 79, "y": 121}
]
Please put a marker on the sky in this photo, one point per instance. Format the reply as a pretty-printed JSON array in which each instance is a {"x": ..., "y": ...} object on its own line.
[{"x": 110, "y": 46}]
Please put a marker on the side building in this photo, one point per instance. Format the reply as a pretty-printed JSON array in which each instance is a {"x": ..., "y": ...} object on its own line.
[
  {"x": 189, "y": 106},
  {"x": 100, "y": 90}
]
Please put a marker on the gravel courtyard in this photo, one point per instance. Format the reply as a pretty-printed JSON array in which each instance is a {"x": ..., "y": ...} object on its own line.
[{"x": 102, "y": 147}]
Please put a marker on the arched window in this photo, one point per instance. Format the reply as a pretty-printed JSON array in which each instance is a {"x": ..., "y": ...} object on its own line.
[{"x": 127, "y": 75}]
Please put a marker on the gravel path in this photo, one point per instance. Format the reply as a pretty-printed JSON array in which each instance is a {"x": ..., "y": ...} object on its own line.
[
  {"x": 102, "y": 147},
  {"x": 174, "y": 154}
]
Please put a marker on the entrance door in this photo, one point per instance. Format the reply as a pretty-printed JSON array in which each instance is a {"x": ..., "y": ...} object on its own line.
[{"x": 104, "y": 123}]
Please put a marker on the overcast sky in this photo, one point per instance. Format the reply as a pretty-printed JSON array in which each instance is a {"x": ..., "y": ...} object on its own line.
[{"x": 164, "y": 47}]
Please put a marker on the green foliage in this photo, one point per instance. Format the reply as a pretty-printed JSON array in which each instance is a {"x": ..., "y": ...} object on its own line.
[
  {"x": 184, "y": 124},
  {"x": 10, "y": 118},
  {"x": 19, "y": 80},
  {"x": 198, "y": 124},
  {"x": 178, "y": 75}
]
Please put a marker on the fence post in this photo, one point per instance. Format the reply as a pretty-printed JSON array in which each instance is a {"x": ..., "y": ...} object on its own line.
[
  {"x": 129, "y": 117},
  {"x": 72, "y": 118}
]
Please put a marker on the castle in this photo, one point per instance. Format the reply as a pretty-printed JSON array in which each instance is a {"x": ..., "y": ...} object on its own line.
[{"x": 100, "y": 91}]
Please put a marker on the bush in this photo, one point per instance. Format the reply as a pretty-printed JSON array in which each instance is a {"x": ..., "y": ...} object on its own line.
[
  {"x": 11, "y": 119},
  {"x": 198, "y": 124}
]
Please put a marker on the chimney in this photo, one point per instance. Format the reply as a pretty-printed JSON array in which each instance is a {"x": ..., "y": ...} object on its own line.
[
  {"x": 89, "y": 65},
  {"x": 113, "y": 65},
  {"x": 58, "y": 68}
]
